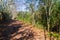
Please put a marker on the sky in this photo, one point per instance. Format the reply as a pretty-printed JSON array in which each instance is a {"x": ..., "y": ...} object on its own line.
[{"x": 20, "y": 5}]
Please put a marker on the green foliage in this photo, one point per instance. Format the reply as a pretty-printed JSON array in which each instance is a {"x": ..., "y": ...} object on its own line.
[
  {"x": 24, "y": 16},
  {"x": 49, "y": 14},
  {"x": 55, "y": 35}
]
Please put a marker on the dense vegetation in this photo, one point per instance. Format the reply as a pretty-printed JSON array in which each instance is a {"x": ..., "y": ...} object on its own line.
[{"x": 47, "y": 14}]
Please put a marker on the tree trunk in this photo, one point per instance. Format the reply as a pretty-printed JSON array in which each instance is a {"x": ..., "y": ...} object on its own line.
[{"x": 33, "y": 20}]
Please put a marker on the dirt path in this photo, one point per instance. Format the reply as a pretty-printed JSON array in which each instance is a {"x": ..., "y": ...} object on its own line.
[{"x": 17, "y": 30}]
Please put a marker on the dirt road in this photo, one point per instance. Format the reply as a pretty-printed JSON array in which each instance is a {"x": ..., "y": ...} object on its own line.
[{"x": 17, "y": 30}]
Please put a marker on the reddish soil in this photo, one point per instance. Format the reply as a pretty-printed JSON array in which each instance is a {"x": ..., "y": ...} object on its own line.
[{"x": 18, "y": 30}]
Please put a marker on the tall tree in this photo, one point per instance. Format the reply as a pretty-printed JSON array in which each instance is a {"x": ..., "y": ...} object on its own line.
[
  {"x": 7, "y": 6},
  {"x": 47, "y": 6},
  {"x": 31, "y": 6}
]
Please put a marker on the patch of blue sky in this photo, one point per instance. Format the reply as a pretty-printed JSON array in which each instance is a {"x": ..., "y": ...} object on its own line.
[{"x": 20, "y": 5}]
